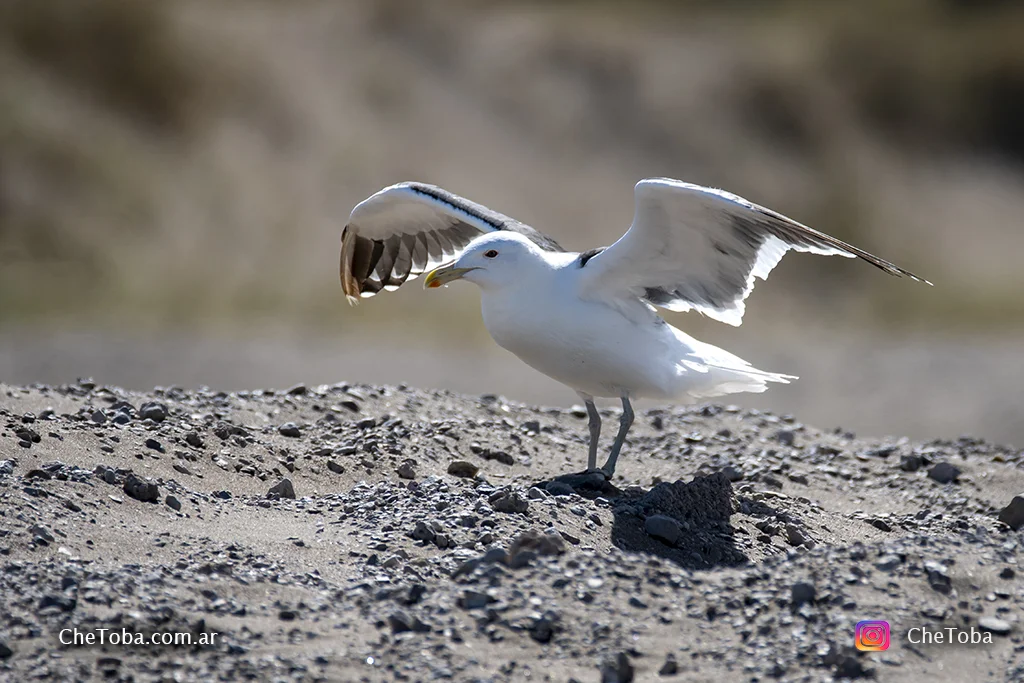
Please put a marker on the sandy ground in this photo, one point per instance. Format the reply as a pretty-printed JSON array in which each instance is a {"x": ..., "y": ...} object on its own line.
[{"x": 428, "y": 540}]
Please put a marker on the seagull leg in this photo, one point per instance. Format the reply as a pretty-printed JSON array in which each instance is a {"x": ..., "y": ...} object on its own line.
[
  {"x": 625, "y": 422},
  {"x": 595, "y": 432}
]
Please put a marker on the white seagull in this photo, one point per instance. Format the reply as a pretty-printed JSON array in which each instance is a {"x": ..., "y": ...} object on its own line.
[{"x": 588, "y": 320}]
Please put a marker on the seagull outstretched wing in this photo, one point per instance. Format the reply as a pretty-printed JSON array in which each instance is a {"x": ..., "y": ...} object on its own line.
[
  {"x": 408, "y": 229},
  {"x": 697, "y": 248}
]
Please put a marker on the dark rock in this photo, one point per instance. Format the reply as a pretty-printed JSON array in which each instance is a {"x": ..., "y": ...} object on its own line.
[
  {"x": 845, "y": 662},
  {"x": 543, "y": 627},
  {"x": 5, "y": 650},
  {"x": 157, "y": 412},
  {"x": 173, "y": 503},
  {"x": 26, "y": 434},
  {"x": 407, "y": 469},
  {"x": 297, "y": 390},
  {"x": 880, "y": 524},
  {"x": 222, "y": 495},
  {"x": 510, "y": 501},
  {"x": 532, "y": 426},
  {"x": 289, "y": 429},
  {"x": 423, "y": 532},
  {"x": 802, "y": 593},
  {"x": 282, "y": 489},
  {"x": 664, "y": 528},
  {"x": 887, "y": 563},
  {"x": 785, "y": 436},
  {"x": 617, "y": 669},
  {"x": 463, "y": 468},
  {"x": 38, "y": 474},
  {"x": 401, "y": 622},
  {"x": 61, "y": 602},
  {"x": 701, "y": 502},
  {"x": 911, "y": 463},
  {"x": 40, "y": 532},
  {"x": 670, "y": 667},
  {"x": 1007, "y": 573},
  {"x": 155, "y": 445},
  {"x": 938, "y": 577},
  {"x": 944, "y": 472},
  {"x": 141, "y": 489},
  {"x": 335, "y": 467},
  {"x": 1013, "y": 514},
  {"x": 558, "y": 488},
  {"x": 287, "y": 615},
  {"x": 499, "y": 456},
  {"x": 536, "y": 542},
  {"x": 794, "y": 535},
  {"x": 732, "y": 474},
  {"x": 193, "y": 439},
  {"x": 99, "y": 417},
  {"x": 471, "y": 599}
]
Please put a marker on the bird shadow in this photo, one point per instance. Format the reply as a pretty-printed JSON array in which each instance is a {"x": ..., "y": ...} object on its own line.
[{"x": 686, "y": 523}]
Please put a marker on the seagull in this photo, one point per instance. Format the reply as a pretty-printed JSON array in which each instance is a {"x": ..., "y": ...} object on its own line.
[{"x": 589, "y": 320}]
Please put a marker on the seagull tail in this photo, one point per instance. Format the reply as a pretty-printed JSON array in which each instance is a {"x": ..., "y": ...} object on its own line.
[{"x": 708, "y": 371}]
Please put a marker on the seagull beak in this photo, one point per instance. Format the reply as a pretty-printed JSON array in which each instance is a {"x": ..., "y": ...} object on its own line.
[{"x": 444, "y": 275}]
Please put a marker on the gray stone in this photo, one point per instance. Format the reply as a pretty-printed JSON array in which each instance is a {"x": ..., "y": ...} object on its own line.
[
  {"x": 407, "y": 469},
  {"x": 173, "y": 503},
  {"x": 463, "y": 468},
  {"x": 1013, "y": 514},
  {"x": 282, "y": 489},
  {"x": 938, "y": 577},
  {"x": 887, "y": 563},
  {"x": 141, "y": 489},
  {"x": 911, "y": 463},
  {"x": 559, "y": 488},
  {"x": 510, "y": 502},
  {"x": 289, "y": 429},
  {"x": 40, "y": 532},
  {"x": 402, "y": 622},
  {"x": 1000, "y": 627},
  {"x": 794, "y": 535},
  {"x": 944, "y": 472},
  {"x": 802, "y": 593},
  {"x": 536, "y": 494},
  {"x": 663, "y": 528},
  {"x": 670, "y": 667},
  {"x": 157, "y": 412},
  {"x": 617, "y": 669},
  {"x": 474, "y": 600}
]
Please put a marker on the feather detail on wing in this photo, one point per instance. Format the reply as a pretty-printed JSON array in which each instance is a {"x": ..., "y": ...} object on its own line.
[
  {"x": 697, "y": 248},
  {"x": 405, "y": 230}
]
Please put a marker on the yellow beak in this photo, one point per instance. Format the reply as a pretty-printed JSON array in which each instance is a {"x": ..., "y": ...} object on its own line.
[{"x": 444, "y": 275}]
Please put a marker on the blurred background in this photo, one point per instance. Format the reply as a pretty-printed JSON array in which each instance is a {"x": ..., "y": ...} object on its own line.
[{"x": 174, "y": 178}]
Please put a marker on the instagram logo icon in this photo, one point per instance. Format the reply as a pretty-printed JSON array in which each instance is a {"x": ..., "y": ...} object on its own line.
[{"x": 871, "y": 636}]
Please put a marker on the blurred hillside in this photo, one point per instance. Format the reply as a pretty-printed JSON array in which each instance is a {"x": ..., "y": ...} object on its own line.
[{"x": 189, "y": 165}]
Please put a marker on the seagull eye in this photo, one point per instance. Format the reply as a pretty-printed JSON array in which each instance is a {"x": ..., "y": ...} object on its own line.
[{"x": 491, "y": 253}]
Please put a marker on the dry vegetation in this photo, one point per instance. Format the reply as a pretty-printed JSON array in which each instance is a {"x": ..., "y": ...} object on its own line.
[{"x": 179, "y": 163}]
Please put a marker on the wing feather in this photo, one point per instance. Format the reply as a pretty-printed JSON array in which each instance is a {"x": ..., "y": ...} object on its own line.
[
  {"x": 404, "y": 230},
  {"x": 698, "y": 248}
]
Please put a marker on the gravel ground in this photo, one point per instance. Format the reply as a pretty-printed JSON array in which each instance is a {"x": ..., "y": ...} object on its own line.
[{"x": 354, "y": 532}]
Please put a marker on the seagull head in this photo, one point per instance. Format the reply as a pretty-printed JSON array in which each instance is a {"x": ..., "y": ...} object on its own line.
[{"x": 491, "y": 261}]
